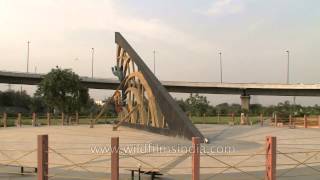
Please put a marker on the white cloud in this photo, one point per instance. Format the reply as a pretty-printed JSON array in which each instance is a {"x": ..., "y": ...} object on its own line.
[
  {"x": 56, "y": 19},
  {"x": 224, "y": 7}
]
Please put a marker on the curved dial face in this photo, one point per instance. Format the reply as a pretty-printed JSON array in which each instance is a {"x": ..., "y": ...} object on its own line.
[{"x": 135, "y": 94}]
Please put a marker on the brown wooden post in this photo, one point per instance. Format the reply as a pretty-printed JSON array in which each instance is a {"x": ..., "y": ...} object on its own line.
[
  {"x": 261, "y": 119},
  {"x": 48, "y": 118},
  {"x": 91, "y": 121},
  {"x": 248, "y": 120},
  {"x": 271, "y": 158},
  {"x": 114, "y": 158},
  {"x": 4, "y": 119},
  {"x": 77, "y": 117},
  {"x": 195, "y": 158},
  {"x": 232, "y": 115},
  {"x": 18, "y": 122},
  {"x": 290, "y": 120},
  {"x": 42, "y": 157},
  {"x": 305, "y": 123},
  {"x": 69, "y": 120},
  {"x": 33, "y": 119},
  {"x": 62, "y": 118},
  {"x": 275, "y": 120}
]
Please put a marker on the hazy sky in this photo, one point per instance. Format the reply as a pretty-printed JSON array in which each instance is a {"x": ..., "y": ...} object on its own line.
[{"x": 252, "y": 35}]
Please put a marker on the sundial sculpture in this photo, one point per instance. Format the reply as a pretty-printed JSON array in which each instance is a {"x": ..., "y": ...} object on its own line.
[{"x": 142, "y": 102}]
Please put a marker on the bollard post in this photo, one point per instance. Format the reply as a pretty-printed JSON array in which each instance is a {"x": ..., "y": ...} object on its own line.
[
  {"x": 261, "y": 119},
  {"x": 91, "y": 120},
  {"x": 290, "y": 120},
  {"x": 18, "y": 122},
  {"x": 275, "y": 120},
  {"x": 77, "y": 117},
  {"x": 218, "y": 118},
  {"x": 42, "y": 157},
  {"x": 318, "y": 121},
  {"x": 4, "y": 119},
  {"x": 233, "y": 118},
  {"x": 62, "y": 118},
  {"x": 48, "y": 118},
  {"x": 114, "y": 158},
  {"x": 195, "y": 158},
  {"x": 248, "y": 120},
  {"x": 305, "y": 123},
  {"x": 33, "y": 119},
  {"x": 271, "y": 158}
]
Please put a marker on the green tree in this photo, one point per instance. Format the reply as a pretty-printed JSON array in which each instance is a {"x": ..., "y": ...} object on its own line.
[
  {"x": 61, "y": 89},
  {"x": 197, "y": 104},
  {"x": 223, "y": 108},
  {"x": 256, "y": 109}
]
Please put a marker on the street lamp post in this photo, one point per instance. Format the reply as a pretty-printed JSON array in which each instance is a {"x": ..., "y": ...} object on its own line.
[
  {"x": 92, "y": 57},
  {"x": 154, "y": 62},
  {"x": 28, "y": 55},
  {"x": 288, "y": 65},
  {"x": 288, "y": 80},
  {"x": 220, "y": 56}
]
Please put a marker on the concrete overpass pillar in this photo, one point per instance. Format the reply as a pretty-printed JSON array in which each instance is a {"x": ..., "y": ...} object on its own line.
[{"x": 245, "y": 102}]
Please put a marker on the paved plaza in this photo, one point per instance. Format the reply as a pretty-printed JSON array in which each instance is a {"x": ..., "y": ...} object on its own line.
[{"x": 72, "y": 152}]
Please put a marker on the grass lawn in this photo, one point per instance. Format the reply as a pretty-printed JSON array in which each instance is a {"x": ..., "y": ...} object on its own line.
[
  {"x": 42, "y": 120},
  {"x": 221, "y": 120}
]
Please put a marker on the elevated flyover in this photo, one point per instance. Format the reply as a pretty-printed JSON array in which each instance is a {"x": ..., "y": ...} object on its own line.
[{"x": 272, "y": 89}]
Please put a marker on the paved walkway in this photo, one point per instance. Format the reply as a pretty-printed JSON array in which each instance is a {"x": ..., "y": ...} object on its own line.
[{"x": 72, "y": 145}]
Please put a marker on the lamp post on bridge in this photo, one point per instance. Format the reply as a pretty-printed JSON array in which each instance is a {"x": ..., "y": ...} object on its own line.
[
  {"x": 28, "y": 55},
  {"x": 154, "y": 62},
  {"x": 92, "y": 58},
  {"x": 220, "y": 57},
  {"x": 288, "y": 65},
  {"x": 288, "y": 79}
]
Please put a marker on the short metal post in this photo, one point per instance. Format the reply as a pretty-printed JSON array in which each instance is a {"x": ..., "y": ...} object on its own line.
[
  {"x": 232, "y": 115},
  {"x": 33, "y": 119},
  {"x": 248, "y": 120},
  {"x": 305, "y": 121},
  {"x": 18, "y": 123},
  {"x": 290, "y": 120},
  {"x": 62, "y": 118},
  {"x": 261, "y": 119},
  {"x": 318, "y": 121},
  {"x": 42, "y": 157},
  {"x": 77, "y": 117},
  {"x": 271, "y": 158},
  {"x": 91, "y": 120},
  {"x": 275, "y": 120},
  {"x": 195, "y": 158},
  {"x": 114, "y": 158},
  {"x": 4, "y": 119},
  {"x": 48, "y": 118}
]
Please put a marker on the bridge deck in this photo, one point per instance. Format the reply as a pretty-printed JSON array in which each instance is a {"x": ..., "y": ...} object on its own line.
[{"x": 275, "y": 89}]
